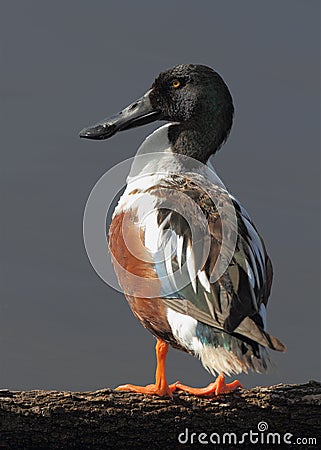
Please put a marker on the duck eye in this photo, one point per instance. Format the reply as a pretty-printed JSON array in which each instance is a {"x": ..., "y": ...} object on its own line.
[{"x": 176, "y": 84}]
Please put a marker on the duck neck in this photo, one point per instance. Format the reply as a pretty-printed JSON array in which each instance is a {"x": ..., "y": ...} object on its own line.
[{"x": 194, "y": 141}]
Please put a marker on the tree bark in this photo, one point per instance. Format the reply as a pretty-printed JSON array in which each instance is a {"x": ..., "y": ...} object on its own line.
[{"x": 110, "y": 419}]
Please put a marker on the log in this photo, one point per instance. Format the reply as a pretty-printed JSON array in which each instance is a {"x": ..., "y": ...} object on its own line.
[{"x": 110, "y": 419}]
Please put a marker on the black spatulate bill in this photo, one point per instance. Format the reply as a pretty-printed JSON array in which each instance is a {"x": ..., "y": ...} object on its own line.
[{"x": 136, "y": 114}]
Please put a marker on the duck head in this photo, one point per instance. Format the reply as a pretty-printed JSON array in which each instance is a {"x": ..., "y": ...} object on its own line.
[{"x": 193, "y": 97}]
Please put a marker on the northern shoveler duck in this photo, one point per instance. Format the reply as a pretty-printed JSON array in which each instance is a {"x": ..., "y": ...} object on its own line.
[{"x": 221, "y": 321}]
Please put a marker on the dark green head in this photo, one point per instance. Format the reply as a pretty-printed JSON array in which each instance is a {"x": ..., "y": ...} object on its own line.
[{"x": 192, "y": 96}]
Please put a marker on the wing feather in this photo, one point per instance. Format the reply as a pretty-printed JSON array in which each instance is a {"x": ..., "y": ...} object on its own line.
[{"x": 233, "y": 302}]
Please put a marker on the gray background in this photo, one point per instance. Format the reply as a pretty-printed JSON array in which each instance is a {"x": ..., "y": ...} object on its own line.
[{"x": 65, "y": 65}]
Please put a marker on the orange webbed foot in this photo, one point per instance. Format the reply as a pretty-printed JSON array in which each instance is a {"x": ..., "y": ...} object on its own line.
[
  {"x": 151, "y": 389},
  {"x": 161, "y": 387},
  {"x": 218, "y": 387}
]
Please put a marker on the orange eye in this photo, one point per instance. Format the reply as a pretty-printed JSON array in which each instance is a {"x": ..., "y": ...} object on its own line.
[{"x": 176, "y": 84}]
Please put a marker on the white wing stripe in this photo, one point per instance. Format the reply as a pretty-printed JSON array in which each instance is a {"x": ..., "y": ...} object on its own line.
[
  {"x": 190, "y": 261},
  {"x": 179, "y": 250},
  {"x": 204, "y": 280}
]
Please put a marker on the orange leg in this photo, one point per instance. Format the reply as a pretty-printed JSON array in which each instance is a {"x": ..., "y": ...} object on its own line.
[
  {"x": 161, "y": 386},
  {"x": 218, "y": 387}
]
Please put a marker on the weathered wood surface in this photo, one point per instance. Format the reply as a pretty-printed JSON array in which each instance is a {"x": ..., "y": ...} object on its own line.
[{"x": 109, "y": 419}]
